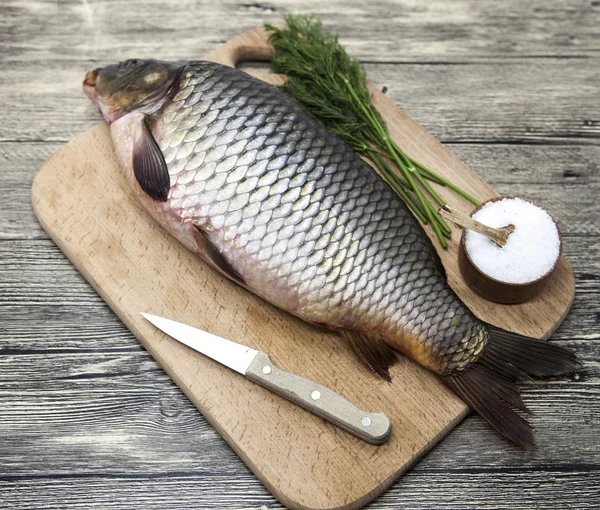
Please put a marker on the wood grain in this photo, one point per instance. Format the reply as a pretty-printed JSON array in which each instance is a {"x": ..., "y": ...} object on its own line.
[
  {"x": 100, "y": 234},
  {"x": 511, "y": 86},
  {"x": 563, "y": 178},
  {"x": 141, "y": 268},
  {"x": 398, "y": 31},
  {"x": 508, "y": 100}
]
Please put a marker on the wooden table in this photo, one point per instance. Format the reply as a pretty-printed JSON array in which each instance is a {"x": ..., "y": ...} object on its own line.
[{"x": 87, "y": 418}]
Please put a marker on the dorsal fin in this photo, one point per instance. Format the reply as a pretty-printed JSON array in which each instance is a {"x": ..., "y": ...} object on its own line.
[
  {"x": 149, "y": 166},
  {"x": 209, "y": 252}
]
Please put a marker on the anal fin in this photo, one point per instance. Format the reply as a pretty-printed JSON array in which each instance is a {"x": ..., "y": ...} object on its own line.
[
  {"x": 209, "y": 252},
  {"x": 372, "y": 350}
]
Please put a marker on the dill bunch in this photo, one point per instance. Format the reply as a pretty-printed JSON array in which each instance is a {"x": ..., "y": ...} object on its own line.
[{"x": 333, "y": 86}]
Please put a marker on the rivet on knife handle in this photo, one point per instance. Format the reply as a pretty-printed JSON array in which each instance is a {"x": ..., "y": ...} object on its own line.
[{"x": 372, "y": 427}]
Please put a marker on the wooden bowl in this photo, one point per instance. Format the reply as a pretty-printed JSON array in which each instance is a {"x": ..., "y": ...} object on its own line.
[{"x": 496, "y": 290}]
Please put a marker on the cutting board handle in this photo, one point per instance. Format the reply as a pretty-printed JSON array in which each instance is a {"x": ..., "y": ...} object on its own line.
[{"x": 251, "y": 45}]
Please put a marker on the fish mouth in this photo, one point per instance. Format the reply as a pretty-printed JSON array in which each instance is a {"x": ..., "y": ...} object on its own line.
[
  {"x": 89, "y": 84},
  {"x": 105, "y": 105}
]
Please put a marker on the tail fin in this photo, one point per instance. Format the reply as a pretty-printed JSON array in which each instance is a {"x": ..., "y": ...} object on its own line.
[{"x": 489, "y": 386}]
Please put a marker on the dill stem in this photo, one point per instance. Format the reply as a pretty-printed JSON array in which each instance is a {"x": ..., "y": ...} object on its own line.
[
  {"x": 429, "y": 211},
  {"x": 405, "y": 165},
  {"x": 405, "y": 158},
  {"x": 438, "y": 232},
  {"x": 443, "y": 225},
  {"x": 439, "y": 225},
  {"x": 429, "y": 189},
  {"x": 431, "y": 175},
  {"x": 415, "y": 170},
  {"x": 440, "y": 221}
]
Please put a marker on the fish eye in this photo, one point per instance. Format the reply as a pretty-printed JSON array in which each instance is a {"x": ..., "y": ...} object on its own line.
[{"x": 132, "y": 62}]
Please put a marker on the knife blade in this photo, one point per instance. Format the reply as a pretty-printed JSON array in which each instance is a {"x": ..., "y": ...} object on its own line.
[{"x": 256, "y": 365}]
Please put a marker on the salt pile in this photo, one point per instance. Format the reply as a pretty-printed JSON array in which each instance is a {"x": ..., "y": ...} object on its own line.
[{"x": 531, "y": 250}]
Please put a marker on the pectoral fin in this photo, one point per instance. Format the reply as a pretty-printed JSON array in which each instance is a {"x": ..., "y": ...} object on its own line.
[
  {"x": 213, "y": 256},
  {"x": 149, "y": 165}
]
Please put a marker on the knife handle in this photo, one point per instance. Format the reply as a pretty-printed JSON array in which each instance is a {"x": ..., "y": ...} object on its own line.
[{"x": 372, "y": 427}]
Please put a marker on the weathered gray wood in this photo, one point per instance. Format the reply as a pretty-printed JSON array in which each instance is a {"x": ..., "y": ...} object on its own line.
[
  {"x": 41, "y": 289},
  {"x": 398, "y": 31},
  {"x": 204, "y": 490},
  {"x": 557, "y": 176},
  {"x": 87, "y": 419},
  {"x": 549, "y": 100},
  {"x": 97, "y": 394}
]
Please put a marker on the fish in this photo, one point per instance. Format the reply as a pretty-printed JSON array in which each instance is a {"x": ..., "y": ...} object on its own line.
[{"x": 243, "y": 175}]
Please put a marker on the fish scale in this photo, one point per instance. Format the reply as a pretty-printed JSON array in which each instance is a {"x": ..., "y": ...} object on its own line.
[{"x": 231, "y": 143}]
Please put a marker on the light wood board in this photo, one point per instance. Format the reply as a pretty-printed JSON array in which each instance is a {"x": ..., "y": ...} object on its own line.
[{"x": 84, "y": 203}]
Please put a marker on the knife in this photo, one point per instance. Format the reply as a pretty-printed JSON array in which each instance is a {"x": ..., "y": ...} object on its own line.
[{"x": 255, "y": 365}]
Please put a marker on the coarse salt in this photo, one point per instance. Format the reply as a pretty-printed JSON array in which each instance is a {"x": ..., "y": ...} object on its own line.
[{"x": 530, "y": 251}]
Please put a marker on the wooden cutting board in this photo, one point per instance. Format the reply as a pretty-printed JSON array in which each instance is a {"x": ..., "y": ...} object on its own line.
[{"x": 84, "y": 203}]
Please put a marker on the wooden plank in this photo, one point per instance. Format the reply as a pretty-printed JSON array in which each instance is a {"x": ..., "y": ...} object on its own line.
[
  {"x": 65, "y": 400},
  {"x": 376, "y": 30},
  {"x": 562, "y": 178},
  {"x": 155, "y": 434},
  {"x": 47, "y": 45},
  {"x": 89, "y": 229},
  {"x": 46, "y": 300},
  {"x": 507, "y": 101},
  {"x": 206, "y": 490},
  {"x": 287, "y": 448}
]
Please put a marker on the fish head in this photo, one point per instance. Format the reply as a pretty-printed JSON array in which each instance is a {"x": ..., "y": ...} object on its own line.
[{"x": 131, "y": 85}]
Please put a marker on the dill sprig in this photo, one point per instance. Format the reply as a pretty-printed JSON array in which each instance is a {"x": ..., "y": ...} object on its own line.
[{"x": 333, "y": 86}]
